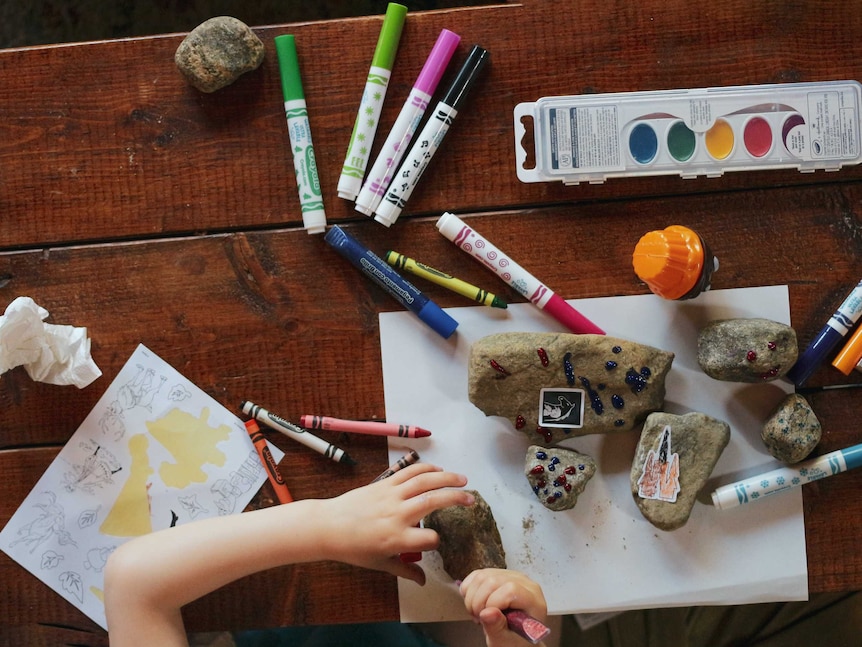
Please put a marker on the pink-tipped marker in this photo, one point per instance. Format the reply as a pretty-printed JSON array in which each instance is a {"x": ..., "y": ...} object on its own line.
[
  {"x": 519, "y": 279},
  {"x": 407, "y": 123},
  {"x": 526, "y": 626}
]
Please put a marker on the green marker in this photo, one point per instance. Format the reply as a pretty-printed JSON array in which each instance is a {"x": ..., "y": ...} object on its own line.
[
  {"x": 310, "y": 198},
  {"x": 367, "y": 118}
]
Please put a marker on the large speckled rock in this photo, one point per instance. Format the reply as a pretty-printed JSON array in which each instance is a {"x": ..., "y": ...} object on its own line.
[
  {"x": 792, "y": 432},
  {"x": 557, "y": 475},
  {"x": 217, "y": 52},
  {"x": 469, "y": 538},
  {"x": 674, "y": 458},
  {"x": 603, "y": 383},
  {"x": 746, "y": 350}
]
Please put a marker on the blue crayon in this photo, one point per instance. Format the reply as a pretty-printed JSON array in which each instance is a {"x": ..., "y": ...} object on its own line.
[{"x": 379, "y": 271}]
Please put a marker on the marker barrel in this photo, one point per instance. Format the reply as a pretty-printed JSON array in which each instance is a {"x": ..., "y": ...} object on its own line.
[
  {"x": 528, "y": 286},
  {"x": 299, "y": 131},
  {"x": 376, "y": 269},
  {"x": 368, "y": 115}
]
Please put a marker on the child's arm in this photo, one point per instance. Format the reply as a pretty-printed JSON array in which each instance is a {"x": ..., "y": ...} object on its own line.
[
  {"x": 150, "y": 578},
  {"x": 489, "y": 592}
]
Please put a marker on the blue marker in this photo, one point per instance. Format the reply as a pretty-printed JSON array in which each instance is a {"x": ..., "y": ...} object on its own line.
[
  {"x": 784, "y": 478},
  {"x": 834, "y": 331},
  {"x": 381, "y": 273}
]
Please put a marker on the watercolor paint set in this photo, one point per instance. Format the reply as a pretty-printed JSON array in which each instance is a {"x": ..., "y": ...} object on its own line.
[{"x": 691, "y": 133}]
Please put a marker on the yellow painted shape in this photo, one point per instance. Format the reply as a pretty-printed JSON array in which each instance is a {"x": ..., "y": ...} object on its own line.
[
  {"x": 192, "y": 442},
  {"x": 130, "y": 515},
  {"x": 99, "y": 593},
  {"x": 719, "y": 139}
]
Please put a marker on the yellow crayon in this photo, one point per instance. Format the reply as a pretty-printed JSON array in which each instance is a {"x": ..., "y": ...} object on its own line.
[{"x": 400, "y": 261}]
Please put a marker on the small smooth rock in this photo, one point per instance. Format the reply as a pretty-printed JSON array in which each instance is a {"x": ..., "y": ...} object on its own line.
[
  {"x": 558, "y": 476},
  {"x": 792, "y": 432},
  {"x": 217, "y": 52},
  {"x": 469, "y": 538},
  {"x": 614, "y": 382},
  {"x": 674, "y": 458},
  {"x": 746, "y": 350}
]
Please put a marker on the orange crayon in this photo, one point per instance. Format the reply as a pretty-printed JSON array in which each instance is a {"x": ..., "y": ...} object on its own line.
[{"x": 268, "y": 461}]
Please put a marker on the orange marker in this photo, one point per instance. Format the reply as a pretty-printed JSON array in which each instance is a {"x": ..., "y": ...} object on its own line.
[
  {"x": 851, "y": 355},
  {"x": 674, "y": 262},
  {"x": 268, "y": 461}
]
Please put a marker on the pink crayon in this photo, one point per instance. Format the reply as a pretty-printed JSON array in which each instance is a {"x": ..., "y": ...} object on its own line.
[
  {"x": 526, "y": 626},
  {"x": 363, "y": 427},
  {"x": 528, "y": 286}
]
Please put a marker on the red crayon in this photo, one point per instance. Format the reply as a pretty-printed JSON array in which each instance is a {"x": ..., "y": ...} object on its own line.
[
  {"x": 526, "y": 626},
  {"x": 363, "y": 427},
  {"x": 268, "y": 461}
]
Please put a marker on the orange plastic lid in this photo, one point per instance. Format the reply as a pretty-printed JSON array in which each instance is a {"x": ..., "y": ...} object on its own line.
[{"x": 670, "y": 261}]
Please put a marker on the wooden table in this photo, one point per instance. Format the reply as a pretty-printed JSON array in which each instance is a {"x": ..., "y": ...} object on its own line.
[{"x": 149, "y": 212}]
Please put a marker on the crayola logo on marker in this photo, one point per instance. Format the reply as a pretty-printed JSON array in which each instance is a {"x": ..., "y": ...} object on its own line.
[
  {"x": 538, "y": 294},
  {"x": 312, "y": 167}
]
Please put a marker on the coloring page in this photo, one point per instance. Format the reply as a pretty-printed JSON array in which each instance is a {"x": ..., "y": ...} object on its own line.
[{"x": 155, "y": 452}]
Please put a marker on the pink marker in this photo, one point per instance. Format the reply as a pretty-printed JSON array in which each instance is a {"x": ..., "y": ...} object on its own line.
[
  {"x": 407, "y": 123},
  {"x": 363, "y": 427},
  {"x": 540, "y": 295}
]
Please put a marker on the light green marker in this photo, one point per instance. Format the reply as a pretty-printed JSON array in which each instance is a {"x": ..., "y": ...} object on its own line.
[
  {"x": 350, "y": 181},
  {"x": 304, "y": 163}
]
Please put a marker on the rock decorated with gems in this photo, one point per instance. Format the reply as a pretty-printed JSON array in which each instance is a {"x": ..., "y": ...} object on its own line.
[
  {"x": 792, "y": 431},
  {"x": 217, "y": 52},
  {"x": 553, "y": 386},
  {"x": 469, "y": 538},
  {"x": 746, "y": 350},
  {"x": 673, "y": 460},
  {"x": 557, "y": 475}
]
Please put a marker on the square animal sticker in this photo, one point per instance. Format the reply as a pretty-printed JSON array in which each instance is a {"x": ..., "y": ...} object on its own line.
[{"x": 561, "y": 408}]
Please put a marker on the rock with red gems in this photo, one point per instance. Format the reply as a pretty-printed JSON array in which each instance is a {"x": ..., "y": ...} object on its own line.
[
  {"x": 746, "y": 350},
  {"x": 557, "y": 475},
  {"x": 553, "y": 386}
]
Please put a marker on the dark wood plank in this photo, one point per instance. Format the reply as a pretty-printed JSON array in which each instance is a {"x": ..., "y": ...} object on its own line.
[{"x": 109, "y": 141}]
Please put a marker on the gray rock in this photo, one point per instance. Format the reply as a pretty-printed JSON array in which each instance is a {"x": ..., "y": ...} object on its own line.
[
  {"x": 557, "y": 475},
  {"x": 792, "y": 432},
  {"x": 674, "y": 458},
  {"x": 617, "y": 382},
  {"x": 746, "y": 350},
  {"x": 469, "y": 538},
  {"x": 217, "y": 52}
]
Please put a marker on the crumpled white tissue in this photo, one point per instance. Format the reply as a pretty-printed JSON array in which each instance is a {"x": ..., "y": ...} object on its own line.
[{"x": 49, "y": 353}]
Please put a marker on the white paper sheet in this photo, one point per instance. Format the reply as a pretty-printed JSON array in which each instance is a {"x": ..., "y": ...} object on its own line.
[
  {"x": 155, "y": 451},
  {"x": 602, "y": 555}
]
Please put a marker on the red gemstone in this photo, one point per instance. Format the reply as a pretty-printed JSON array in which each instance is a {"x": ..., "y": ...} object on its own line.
[
  {"x": 570, "y": 469},
  {"x": 538, "y": 469},
  {"x": 751, "y": 356},
  {"x": 502, "y": 371},
  {"x": 772, "y": 345},
  {"x": 543, "y": 356},
  {"x": 520, "y": 421}
]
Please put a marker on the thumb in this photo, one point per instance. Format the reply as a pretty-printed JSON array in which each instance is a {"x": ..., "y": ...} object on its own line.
[{"x": 493, "y": 622}]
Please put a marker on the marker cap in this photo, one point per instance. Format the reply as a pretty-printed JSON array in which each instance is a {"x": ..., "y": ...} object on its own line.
[
  {"x": 390, "y": 35},
  {"x": 466, "y": 77},
  {"x": 288, "y": 65},
  {"x": 674, "y": 262},
  {"x": 314, "y": 221},
  {"x": 850, "y": 355},
  {"x": 437, "y": 319},
  {"x": 437, "y": 61}
]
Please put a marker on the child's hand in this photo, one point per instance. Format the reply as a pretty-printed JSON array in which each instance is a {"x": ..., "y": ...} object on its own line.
[
  {"x": 370, "y": 526},
  {"x": 489, "y": 592}
]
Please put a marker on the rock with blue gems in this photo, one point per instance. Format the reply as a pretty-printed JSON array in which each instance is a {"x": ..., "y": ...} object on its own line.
[
  {"x": 746, "y": 350},
  {"x": 673, "y": 460},
  {"x": 557, "y": 475},
  {"x": 554, "y": 386},
  {"x": 792, "y": 432}
]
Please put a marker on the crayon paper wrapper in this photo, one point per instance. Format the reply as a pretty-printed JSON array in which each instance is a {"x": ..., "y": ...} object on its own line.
[{"x": 603, "y": 555}]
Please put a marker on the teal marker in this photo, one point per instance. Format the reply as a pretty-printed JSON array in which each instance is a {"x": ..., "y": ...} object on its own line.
[
  {"x": 310, "y": 198},
  {"x": 368, "y": 116}
]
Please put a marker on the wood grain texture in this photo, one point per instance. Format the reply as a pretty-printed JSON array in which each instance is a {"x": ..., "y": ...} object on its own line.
[{"x": 150, "y": 213}]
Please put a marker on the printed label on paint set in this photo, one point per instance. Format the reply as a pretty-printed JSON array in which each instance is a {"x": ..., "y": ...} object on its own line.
[{"x": 691, "y": 133}]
